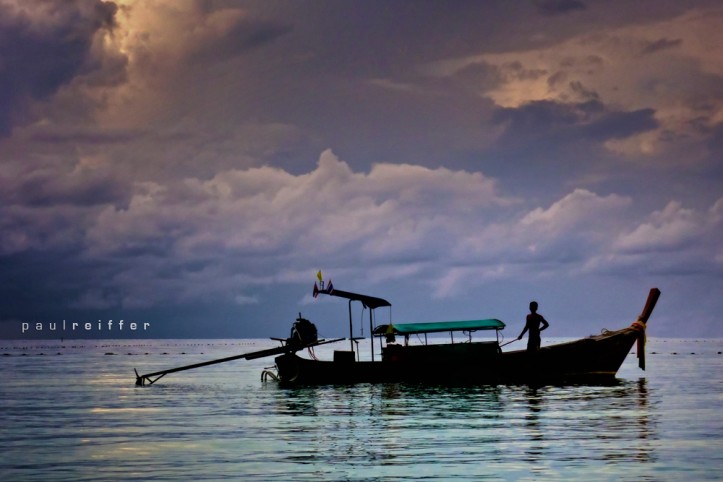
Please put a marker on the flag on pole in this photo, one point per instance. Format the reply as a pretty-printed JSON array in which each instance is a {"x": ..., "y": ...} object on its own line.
[
  {"x": 316, "y": 290},
  {"x": 330, "y": 288},
  {"x": 319, "y": 277}
]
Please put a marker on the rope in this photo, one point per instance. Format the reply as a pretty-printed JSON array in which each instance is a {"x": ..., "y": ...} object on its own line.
[
  {"x": 639, "y": 326},
  {"x": 311, "y": 353}
]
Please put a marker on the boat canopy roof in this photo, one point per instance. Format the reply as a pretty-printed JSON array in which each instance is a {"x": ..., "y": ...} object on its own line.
[
  {"x": 441, "y": 326},
  {"x": 371, "y": 302}
]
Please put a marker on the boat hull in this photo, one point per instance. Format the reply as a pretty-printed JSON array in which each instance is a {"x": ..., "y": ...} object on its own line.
[{"x": 593, "y": 359}]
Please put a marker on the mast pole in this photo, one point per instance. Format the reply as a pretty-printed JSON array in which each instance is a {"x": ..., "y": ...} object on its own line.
[{"x": 351, "y": 330}]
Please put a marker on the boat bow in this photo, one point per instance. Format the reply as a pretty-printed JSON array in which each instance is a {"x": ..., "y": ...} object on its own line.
[{"x": 640, "y": 324}]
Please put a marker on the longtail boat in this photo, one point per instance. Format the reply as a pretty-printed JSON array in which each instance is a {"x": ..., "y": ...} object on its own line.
[
  {"x": 592, "y": 359},
  {"x": 595, "y": 359}
]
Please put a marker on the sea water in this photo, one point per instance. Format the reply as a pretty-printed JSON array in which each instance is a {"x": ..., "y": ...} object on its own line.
[{"x": 71, "y": 411}]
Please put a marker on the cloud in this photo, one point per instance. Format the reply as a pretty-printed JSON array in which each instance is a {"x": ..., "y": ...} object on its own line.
[
  {"x": 27, "y": 229},
  {"x": 558, "y": 121},
  {"x": 173, "y": 34},
  {"x": 43, "y": 47},
  {"x": 672, "y": 241},
  {"x": 561, "y": 236},
  {"x": 671, "y": 91},
  {"x": 676, "y": 229},
  {"x": 579, "y": 209},
  {"x": 92, "y": 72},
  {"x": 661, "y": 44},
  {"x": 50, "y": 205},
  {"x": 80, "y": 187},
  {"x": 584, "y": 234},
  {"x": 190, "y": 239},
  {"x": 195, "y": 240},
  {"x": 329, "y": 208},
  {"x": 558, "y": 7}
]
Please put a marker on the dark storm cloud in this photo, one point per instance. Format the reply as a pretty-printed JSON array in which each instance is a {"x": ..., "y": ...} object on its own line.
[
  {"x": 558, "y": 7},
  {"x": 84, "y": 135},
  {"x": 715, "y": 144},
  {"x": 547, "y": 140},
  {"x": 380, "y": 38},
  {"x": 246, "y": 34},
  {"x": 545, "y": 113},
  {"x": 661, "y": 44},
  {"x": 618, "y": 125},
  {"x": 592, "y": 120},
  {"x": 47, "y": 188},
  {"x": 28, "y": 287},
  {"x": 480, "y": 75},
  {"x": 40, "y": 53}
]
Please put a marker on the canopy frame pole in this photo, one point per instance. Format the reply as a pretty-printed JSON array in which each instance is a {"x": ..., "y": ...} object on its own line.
[
  {"x": 371, "y": 330},
  {"x": 351, "y": 329}
]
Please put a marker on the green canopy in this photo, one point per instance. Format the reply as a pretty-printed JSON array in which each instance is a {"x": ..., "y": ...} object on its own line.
[{"x": 441, "y": 326}]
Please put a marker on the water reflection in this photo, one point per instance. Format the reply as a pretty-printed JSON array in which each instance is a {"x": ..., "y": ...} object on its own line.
[
  {"x": 301, "y": 402},
  {"x": 404, "y": 425},
  {"x": 609, "y": 424},
  {"x": 535, "y": 404}
]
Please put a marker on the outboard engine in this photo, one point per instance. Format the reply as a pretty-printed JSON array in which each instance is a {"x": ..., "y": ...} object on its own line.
[{"x": 303, "y": 333}]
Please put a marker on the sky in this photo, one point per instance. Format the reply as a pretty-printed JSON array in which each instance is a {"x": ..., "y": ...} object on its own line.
[{"x": 193, "y": 164}]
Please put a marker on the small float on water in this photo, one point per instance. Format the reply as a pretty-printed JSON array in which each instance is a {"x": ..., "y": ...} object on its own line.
[{"x": 588, "y": 360}]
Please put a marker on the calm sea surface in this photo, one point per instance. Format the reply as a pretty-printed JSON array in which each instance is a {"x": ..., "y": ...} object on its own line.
[{"x": 70, "y": 411}]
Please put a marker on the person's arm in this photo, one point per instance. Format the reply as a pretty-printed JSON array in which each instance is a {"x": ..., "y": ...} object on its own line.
[
  {"x": 523, "y": 332},
  {"x": 545, "y": 324}
]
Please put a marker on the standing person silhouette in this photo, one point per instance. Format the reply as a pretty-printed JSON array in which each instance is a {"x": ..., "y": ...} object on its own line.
[{"x": 533, "y": 325}]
